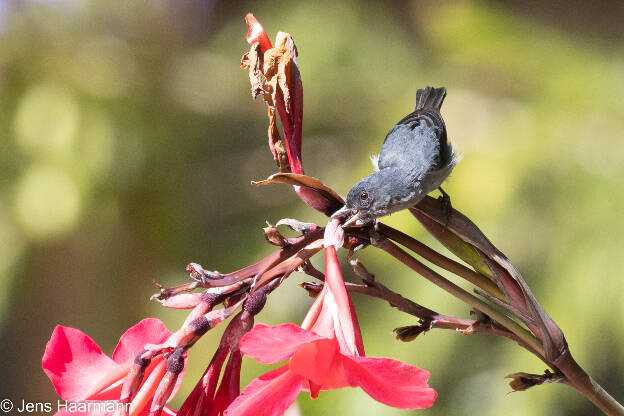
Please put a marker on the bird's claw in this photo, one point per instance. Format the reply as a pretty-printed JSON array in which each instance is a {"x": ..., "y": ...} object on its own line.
[{"x": 447, "y": 208}]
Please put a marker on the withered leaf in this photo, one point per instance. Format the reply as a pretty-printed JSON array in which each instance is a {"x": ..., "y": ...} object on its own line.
[
  {"x": 524, "y": 381},
  {"x": 306, "y": 181},
  {"x": 283, "y": 93},
  {"x": 269, "y": 75},
  {"x": 276, "y": 144},
  {"x": 277, "y": 61},
  {"x": 409, "y": 333},
  {"x": 273, "y": 236},
  {"x": 253, "y": 60}
]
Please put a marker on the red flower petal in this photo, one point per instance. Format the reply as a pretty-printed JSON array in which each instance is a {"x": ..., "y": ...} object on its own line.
[
  {"x": 314, "y": 311},
  {"x": 390, "y": 381},
  {"x": 320, "y": 363},
  {"x": 268, "y": 395},
  {"x": 256, "y": 33},
  {"x": 148, "y": 331},
  {"x": 272, "y": 344},
  {"x": 74, "y": 362},
  {"x": 346, "y": 324}
]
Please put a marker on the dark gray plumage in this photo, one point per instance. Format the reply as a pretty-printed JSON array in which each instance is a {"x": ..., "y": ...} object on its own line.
[{"x": 415, "y": 159}]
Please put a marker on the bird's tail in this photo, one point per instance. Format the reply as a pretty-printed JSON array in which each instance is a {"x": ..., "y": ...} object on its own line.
[{"x": 430, "y": 98}]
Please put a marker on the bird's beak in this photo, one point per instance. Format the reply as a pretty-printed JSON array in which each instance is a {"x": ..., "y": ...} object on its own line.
[
  {"x": 354, "y": 220},
  {"x": 343, "y": 211},
  {"x": 353, "y": 216}
]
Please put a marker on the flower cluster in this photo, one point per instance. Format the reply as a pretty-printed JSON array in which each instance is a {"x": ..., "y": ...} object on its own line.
[
  {"x": 326, "y": 352},
  {"x": 80, "y": 371}
]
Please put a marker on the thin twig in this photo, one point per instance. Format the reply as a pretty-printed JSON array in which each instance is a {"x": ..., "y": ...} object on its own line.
[
  {"x": 441, "y": 260},
  {"x": 396, "y": 252}
]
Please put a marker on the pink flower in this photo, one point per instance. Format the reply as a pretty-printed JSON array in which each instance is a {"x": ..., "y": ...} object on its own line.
[
  {"x": 80, "y": 371},
  {"x": 325, "y": 353}
]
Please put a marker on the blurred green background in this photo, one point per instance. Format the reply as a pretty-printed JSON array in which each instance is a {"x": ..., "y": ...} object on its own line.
[{"x": 128, "y": 139}]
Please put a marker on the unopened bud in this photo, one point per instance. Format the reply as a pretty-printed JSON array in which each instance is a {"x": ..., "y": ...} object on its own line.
[
  {"x": 312, "y": 288},
  {"x": 175, "y": 365},
  {"x": 211, "y": 298},
  {"x": 254, "y": 303},
  {"x": 199, "y": 325},
  {"x": 175, "y": 362},
  {"x": 273, "y": 236},
  {"x": 135, "y": 376},
  {"x": 182, "y": 301}
]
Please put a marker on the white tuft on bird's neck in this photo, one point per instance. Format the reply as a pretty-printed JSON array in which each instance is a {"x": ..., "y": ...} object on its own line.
[{"x": 375, "y": 161}]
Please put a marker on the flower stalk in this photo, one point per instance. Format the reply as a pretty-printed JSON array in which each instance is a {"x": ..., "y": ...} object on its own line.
[{"x": 326, "y": 351}]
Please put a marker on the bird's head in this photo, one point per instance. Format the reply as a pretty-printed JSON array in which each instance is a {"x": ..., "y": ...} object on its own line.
[{"x": 365, "y": 201}]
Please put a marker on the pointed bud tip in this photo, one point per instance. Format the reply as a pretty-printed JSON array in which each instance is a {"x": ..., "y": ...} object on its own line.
[{"x": 256, "y": 33}]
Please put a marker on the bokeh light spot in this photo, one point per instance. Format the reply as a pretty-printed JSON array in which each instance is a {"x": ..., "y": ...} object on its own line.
[
  {"x": 97, "y": 143},
  {"x": 46, "y": 120},
  {"x": 47, "y": 202},
  {"x": 103, "y": 66},
  {"x": 202, "y": 83}
]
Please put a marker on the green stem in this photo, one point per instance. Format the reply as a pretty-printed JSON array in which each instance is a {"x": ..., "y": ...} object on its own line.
[{"x": 581, "y": 381}]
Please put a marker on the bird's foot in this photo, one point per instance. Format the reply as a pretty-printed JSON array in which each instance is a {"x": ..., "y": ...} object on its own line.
[{"x": 447, "y": 208}]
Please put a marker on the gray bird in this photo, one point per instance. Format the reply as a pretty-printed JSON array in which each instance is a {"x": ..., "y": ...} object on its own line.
[{"x": 415, "y": 159}]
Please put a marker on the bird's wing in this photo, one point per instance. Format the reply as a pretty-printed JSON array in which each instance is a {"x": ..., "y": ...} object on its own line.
[{"x": 417, "y": 143}]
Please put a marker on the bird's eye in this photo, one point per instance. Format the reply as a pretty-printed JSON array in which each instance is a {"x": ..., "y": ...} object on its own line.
[{"x": 364, "y": 196}]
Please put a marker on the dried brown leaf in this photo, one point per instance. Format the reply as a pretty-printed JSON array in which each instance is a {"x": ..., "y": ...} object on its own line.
[
  {"x": 273, "y": 236},
  {"x": 409, "y": 333},
  {"x": 524, "y": 381},
  {"x": 276, "y": 70},
  {"x": 335, "y": 201},
  {"x": 253, "y": 60},
  {"x": 269, "y": 75},
  {"x": 276, "y": 144}
]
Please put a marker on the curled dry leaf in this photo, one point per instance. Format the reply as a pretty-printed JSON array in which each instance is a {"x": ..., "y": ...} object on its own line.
[
  {"x": 273, "y": 236},
  {"x": 273, "y": 71},
  {"x": 284, "y": 91},
  {"x": 332, "y": 200},
  {"x": 524, "y": 381},
  {"x": 254, "y": 62},
  {"x": 410, "y": 332},
  {"x": 280, "y": 154},
  {"x": 276, "y": 69}
]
